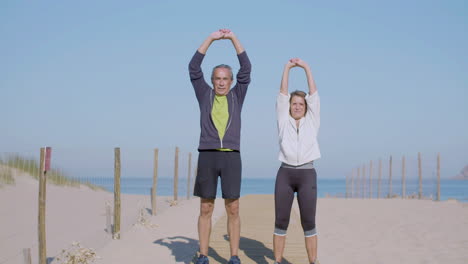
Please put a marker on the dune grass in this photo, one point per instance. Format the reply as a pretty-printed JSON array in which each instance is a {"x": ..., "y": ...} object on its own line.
[
  {"x": 13, "y": 162},
  {"x": 6, "y": 176}
]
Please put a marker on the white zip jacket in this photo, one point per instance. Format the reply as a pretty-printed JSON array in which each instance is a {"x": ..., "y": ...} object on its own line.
[{"x": 298, "y": 146}]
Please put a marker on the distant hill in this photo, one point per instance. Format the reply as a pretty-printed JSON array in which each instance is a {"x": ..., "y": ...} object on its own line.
[{"x": 463, "y": 175}]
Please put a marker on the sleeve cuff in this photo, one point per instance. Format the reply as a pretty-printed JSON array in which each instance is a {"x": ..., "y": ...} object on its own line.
[
  {"x": 312, "y": 95},
  {"x": 199, "y": 54},
  {"x": 283, "y": 100},
  {"x": 283, "y": 96},
  {"x": 243, "y": 58}
]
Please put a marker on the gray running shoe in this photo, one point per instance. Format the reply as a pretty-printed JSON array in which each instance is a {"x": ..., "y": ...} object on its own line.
[
  {"x": 234, "y": 260},
  {"x": 202, "y": 259}
]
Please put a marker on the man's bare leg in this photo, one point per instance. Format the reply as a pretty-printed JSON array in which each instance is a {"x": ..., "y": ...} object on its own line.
[
  {"x": 233, "y": 223},
  {"x": 204, "y": 224}
]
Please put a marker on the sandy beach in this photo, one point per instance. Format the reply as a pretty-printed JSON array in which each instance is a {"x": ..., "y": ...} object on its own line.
[
  {"x": 350, "y": 230},
  {"x": 72, "y": 215},
  {"x": 392, "y": 231}
]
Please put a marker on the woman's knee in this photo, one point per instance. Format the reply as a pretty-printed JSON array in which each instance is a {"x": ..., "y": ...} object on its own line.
[
  {"x": 308, "y": 225},
  {"x": 282, "y": 223}
]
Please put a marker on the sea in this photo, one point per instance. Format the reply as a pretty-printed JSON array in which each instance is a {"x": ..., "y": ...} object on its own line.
[{"x": 449, "y": 189}]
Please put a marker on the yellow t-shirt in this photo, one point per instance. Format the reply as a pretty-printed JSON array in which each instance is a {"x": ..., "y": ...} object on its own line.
[{"x": 220, "y": 116}]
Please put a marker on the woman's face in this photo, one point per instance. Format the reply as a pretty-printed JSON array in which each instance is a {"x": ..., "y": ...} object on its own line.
[{"x": 297, "y": 107}]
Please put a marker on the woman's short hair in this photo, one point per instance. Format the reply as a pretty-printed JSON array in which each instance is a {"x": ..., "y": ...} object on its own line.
[{"x": 300, "y": 94}]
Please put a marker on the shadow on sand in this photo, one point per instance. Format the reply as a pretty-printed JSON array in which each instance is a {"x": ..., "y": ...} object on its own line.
[
  {"x": 185, "y": 249},
  {"x": 256, "y": 250}
]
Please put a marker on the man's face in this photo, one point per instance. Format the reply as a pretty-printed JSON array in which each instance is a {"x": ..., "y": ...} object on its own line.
[
  {"x": 298, "y": 107},
  {"x": 221, "y": 81}
]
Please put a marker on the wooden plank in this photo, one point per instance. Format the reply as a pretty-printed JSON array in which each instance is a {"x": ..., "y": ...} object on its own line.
[{"x": 256, "y": 243}]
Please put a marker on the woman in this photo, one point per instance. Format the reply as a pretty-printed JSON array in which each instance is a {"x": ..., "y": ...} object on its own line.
[{"x": 298, "y": 124}]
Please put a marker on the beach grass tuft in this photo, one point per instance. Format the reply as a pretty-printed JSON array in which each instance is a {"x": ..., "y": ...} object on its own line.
[
  {"x": 6, "y": 176},
  {"x": 15, "y": 162},
  {"x": 77, "y": 254}
]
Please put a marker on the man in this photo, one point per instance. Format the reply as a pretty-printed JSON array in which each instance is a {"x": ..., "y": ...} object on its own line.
[{"x": 219, "y": 156}]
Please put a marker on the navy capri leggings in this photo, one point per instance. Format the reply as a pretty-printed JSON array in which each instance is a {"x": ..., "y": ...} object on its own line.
[{"x": 304, "y": 183}]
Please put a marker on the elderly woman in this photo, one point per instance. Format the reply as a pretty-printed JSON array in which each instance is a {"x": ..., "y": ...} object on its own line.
[{"x": 298, "y": 124}]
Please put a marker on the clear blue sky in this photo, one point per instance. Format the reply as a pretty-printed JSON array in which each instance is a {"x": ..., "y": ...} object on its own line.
[{"x": 87, "y": 76}]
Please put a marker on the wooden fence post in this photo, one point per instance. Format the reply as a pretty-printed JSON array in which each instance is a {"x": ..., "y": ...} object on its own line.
[
  {"x": 403, "y": 178},
  {"x": 380, "y": 179},
  {"x": 27, "y": 255},
  {"x": 370, "y": 179},
  {"x": 420, "y": 193},
  {"x": 116, "y": 233},
  {"x": 358, "y": 182},
  {"x": 189, "y": 172},
  {"x": 363, "y": 181},
  {"x": 155, "y": 182},
  {"x": 390, "y": 178},
  {"x": 438, "y": 176},
  {"x": 176, "y": 173},
  {"x": 108, "y": 218},
  {"x": 347, "y": 185},
  {"x": 42, "y": 208}
]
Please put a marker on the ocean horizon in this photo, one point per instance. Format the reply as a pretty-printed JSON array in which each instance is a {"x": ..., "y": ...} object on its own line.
[{"x": 450, "y": 189}]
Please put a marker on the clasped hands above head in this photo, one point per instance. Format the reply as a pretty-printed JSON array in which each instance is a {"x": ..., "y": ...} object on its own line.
[
  {"x": 223, "y": 33},
  {"x": 296, "y": 62}
]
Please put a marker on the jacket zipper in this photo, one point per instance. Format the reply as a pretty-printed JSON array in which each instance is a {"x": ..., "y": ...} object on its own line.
[
  {"x": 230, "y": 119},
  {"x": 297, "y": 158}
]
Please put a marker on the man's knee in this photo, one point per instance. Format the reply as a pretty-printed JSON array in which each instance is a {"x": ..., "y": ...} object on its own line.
[
  {"x": 232, "y": 207},
  {"x": 206, "y": 207}
]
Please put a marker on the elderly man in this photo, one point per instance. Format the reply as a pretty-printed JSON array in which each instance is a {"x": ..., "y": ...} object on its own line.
[{"x": 219, "y": 146}]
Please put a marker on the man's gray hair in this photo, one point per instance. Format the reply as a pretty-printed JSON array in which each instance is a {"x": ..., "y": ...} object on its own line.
[{"x": 223, "y": 66}]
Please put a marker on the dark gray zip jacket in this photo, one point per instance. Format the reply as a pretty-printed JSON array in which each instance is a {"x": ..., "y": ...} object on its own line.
[{"x": 209, "y": 138}]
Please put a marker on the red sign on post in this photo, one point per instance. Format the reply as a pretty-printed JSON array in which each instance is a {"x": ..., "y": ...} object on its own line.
[{"x": 47, "y": 158}]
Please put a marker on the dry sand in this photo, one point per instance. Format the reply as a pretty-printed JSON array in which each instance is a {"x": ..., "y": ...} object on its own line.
[
  {"x": 173, "y": 240},
  {"x": 350, "y": 230},
  {"x": 392, "y": 231},
  {"x": 72, "y": 215}
]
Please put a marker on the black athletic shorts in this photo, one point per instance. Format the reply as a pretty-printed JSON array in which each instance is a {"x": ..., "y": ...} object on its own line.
[{"x": 213, "y": 164}]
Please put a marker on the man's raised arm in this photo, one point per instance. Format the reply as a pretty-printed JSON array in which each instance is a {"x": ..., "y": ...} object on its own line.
[
  {"x": 196, "y": 73},
  {"x": 228, "y": 34},
  {"x": 243, "y": 76},
  {"x": 212, "y": 37}
]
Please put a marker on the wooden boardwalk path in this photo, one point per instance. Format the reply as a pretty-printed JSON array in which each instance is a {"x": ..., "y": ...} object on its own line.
[{"x": 256, "y": 244}]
